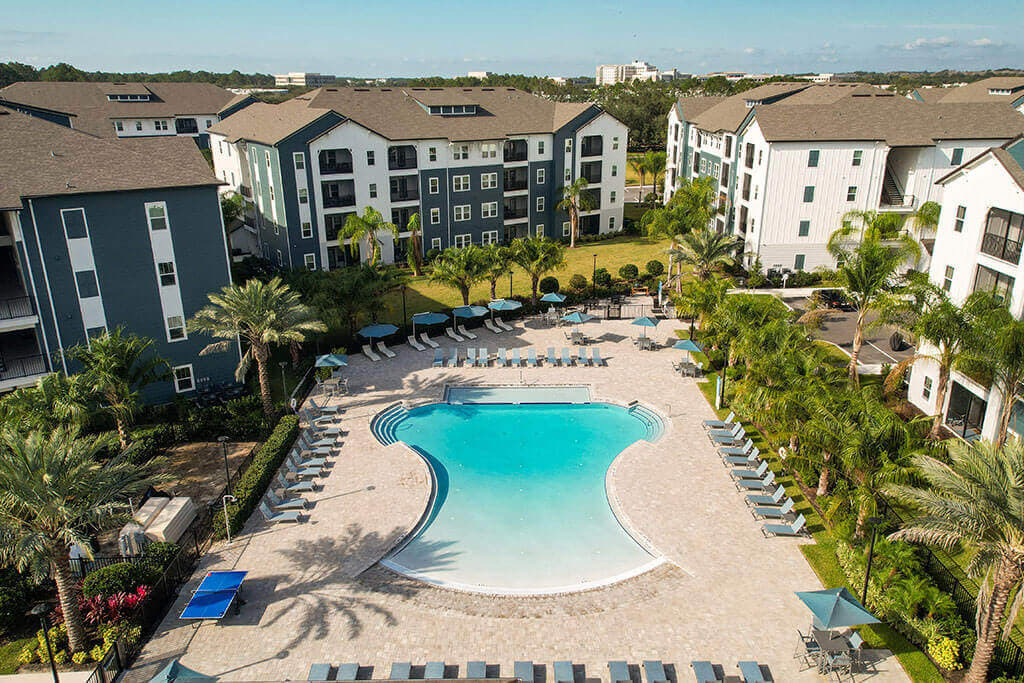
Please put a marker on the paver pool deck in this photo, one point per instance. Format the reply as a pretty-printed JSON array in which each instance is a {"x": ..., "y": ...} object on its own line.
[{"x": 316, "y": 593}]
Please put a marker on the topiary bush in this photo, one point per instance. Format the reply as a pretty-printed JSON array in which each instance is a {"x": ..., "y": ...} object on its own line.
[
  {"x": 602, "y": 278},
  {"x": 577, "y": 282},
  {"x": 655, "y": 268},
  {"x": 114, "y": 578},
  {"x": 548, "y": 284},
  {"x": 629, "y": 272}
]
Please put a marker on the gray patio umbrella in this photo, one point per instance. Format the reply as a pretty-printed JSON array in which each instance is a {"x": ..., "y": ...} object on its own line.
[{"x": 503, "y": 305}]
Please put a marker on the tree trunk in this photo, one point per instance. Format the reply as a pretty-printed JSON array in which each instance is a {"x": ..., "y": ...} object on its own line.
[
  {"x": 417, "y": 259},
  {"x": 823, "y": 478},
  {"x": 574, "y": 219},
  {"x": 494, "y": 289},
  {"x": 534, "y": 281},
  {"x": 262, "y": 353},
  {"x": 122, "y": 432},
  {"x": 940, "y": 402},
  {"x": 464, "y": 291},
  {"x": 858, "y": 342},
  {"x": 862, "y": 520},
  {"x": 990, "y": 622},
  {"x": 67, "y": 593},
  {"x": 295, "y": 348}
]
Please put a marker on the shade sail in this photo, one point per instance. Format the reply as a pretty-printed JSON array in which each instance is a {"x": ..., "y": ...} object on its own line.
[{"x": 332, "y": 360}]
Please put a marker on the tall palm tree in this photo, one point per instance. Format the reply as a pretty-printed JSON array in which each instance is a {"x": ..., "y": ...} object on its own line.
[
  {"x": 54, "y": 493},
  {"x": 64, "y": 399},
  {"x": 119, "y": 365},
  {"x": 639, "y": 165},
  {"x": 997, "y": 347},
  {"x": 976, "y": 502},
  {"x": 460, "y": 268},
  {"x": 538, "y": 256},
  {"x": 261, "y": 313},
  {"x": 366, "y": 228},
  {"x": 415, "y": 252},
  {"x": 575, "y": 198},
  {"x": 706, "y": 250},
  {"x": 695, "y": 200},
  {"x": 655, "y": 163},
  {"x": 499, "y": 264},
  {"x": 859, "y": 226},
  {"x": 700, "y": 298}
]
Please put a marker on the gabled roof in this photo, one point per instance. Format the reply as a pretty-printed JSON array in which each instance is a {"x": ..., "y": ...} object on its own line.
[
  {"x": 1010, "y": 88},
  {"x": 691, "y": 107},
  {"x": 268, "y": 124},
  {"x": 95, "y": 112},
  {"x": 39, "y": 158},
  {"x": 730, "y": 112},
  {"x": 1010, "y": 155}
]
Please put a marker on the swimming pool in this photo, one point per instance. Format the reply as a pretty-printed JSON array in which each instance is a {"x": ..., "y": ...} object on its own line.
[{"x": 520, "y": 503}]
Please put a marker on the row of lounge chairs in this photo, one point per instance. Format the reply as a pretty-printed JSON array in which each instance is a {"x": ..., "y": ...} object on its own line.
[
  {"x": 766, "y": 498},
  {"x": 511, "y": 357},
  {"x": 459, "y": 334},
  {"x": 706, "y": 672}
]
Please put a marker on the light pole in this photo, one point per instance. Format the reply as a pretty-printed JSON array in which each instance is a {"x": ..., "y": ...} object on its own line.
[
  {"x": 227, "y": 523},
  {"x": 593, "y": 277},
  {"x": 874, "y": 522},
  {"x": 41, "y": 610},
  {"x": 224, "y": 451},
  {"x": 284, "y": 382},
  {"x": 510, "y": 284}
]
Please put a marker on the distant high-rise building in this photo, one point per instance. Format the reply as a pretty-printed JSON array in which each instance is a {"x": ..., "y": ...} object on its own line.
[
  {"x": 304, "y": 79},
  {"x": 479, "y": 74},
  {"x": 818, "y": 78},
  {"x": 610, "y": 74}
]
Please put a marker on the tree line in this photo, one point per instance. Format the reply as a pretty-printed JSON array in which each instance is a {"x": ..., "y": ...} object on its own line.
[{"x": 13, "y": 72}]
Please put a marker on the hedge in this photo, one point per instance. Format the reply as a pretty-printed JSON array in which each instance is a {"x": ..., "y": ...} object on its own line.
[{"x": 253, "y": 484}]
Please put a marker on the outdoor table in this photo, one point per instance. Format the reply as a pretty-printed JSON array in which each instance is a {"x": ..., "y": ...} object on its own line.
[{"x": 831, "y": 641}]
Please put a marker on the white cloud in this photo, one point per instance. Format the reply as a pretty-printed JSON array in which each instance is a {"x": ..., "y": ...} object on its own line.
[
  {"x": 751, "y": 50},
  {"x": 985, "y": 42},
  {"x": 930, "y": 44}
]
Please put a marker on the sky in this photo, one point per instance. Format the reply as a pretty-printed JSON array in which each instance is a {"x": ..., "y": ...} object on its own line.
[{"x": 559, "y": 37}]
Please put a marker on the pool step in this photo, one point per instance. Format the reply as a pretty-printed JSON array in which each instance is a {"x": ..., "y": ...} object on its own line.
[
  {"x": 383, "y": 425},
  {"x": 653, "y": 424}
]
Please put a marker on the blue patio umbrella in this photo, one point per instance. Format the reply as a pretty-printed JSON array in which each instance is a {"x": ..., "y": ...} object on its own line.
[
  {"x": 176, "y": 671},
  {"x": 467, "y": 312},
  {"x": 503, "y": 305},
  {"x": 376, "y": 331},
  {"x": 836, "y": 608},
  {"x": 427, "y": 319},
  {"x": 688, "y": 345},
  {"x": 577, "y": 318},
  {"x": 553, "y": 298},
  {"x": 332, "y": 360},
  {"x": 644, "y": 322}
]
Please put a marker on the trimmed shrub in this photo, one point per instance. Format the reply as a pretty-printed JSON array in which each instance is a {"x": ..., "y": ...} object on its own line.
[
  {"x": 431, "y": 255},
  {"x": 602, "y": 278},
  {"x": 114, "y": 578},
  {"x": 253, "y": 484},
  {"x": 548, "y": 284},
  {"x": 629, "y": 272},
  {"x": 655, "y": 268},
  {"x": 159, "y": 555},
  {"x": 577, "y": 282}
]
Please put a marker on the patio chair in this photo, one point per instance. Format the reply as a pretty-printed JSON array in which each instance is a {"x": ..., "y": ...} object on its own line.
[
  {"x": 502, "y": 360},
  {"x": 294, "y": 486},
  {"x": 503, "y": 325},
  {"x": 368, "y": 352},
  {"x": 551, "y": 356},
  {"x": 566, "y": 357},
  {"x": 476, "y": 669},
  {"x": 595, "y": 356},
  {"x": 794, "y": 529},
  {"x": 751, "y": 459},
  {"x": 757, "y": 499},
  {"x": 737, "y": 450},
  {"x": 434, "y": 670},
  {"x": 453, "y": 334},
  {"x": 383, "y": 348},
  {"x": 302, "y": 472},
  {"x": 516, "y": 361},
  {"x": 704, "y": 672},
  {"x": 325, "y": 429},
  {"x": 278, "y": 503},
  {"x": 618, "y": 672},
  {"x": 306, "y": 462},
  {"x": 581, "y": 357},
  {"x": 471, "y": 356},
  {"x": 756, "y": 484},
  {"x": 438, "y": 358},
  {"x": 654, "y": 671},
  {"x": 323, "y": 409},
  {"x": 772, "y": 512},
  {"x": 729, "y": 439},
  {"x": 750, "y": 474},
  {"x": 415, "y": 344},
  {"x": 318, "y": 447},
  {"x": 808, "y": 650},
  {"x": 319, "y": 672},
  {"x": 727, "y": 423},
  {"x": 751, "y": 672},
  {"x": 839, "y": 665},
  {"x": 347, "y": 672},
  {"x": 425, "y": 338},
  {"x": 730, "y": 433},
  {"x": 482, "y": 357},
  {"x": 531, "y": 357},
  {"x": 401, "y": 671},
  {"x": 564, "y": 672},
  {"x": 857, "y": 653},
  {"x": 491, "y": 326},
  {"x": 465, "y": 333},
  {"x": 453, "y": 359},
  {"x": 523, "y": 671},
  {"x": 275, "y": 517}
]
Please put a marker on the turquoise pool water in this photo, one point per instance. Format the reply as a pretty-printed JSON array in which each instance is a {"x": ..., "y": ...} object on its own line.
[{"x": 521, "y": 504}]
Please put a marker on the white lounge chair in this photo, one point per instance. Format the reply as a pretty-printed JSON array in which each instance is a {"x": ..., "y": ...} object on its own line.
[
  {"x": 303, "y": 472},
  {"x": 415, "y": 344},
  {"x": 324, "y": 409},
  {"x": 471, "y": 356},
  {"x": 368, "y": 352},
  {"x": 595, "y": 356},
  {"x": 503, "y": 325},
  {"x": 382, "y": 347},
  {"x": 466, "y": 333},
  {"x": 502, "y": 360},
  {"x": 581, "y": 357},
  {"x": 425, "y": 338},
  {"x": 490, "y": 326},
  {"x": 453, "y": 334}
]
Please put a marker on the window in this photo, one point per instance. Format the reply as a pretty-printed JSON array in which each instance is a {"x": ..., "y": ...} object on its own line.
[
  {"x": 540, "y": 176},
  {"x": 175, "y": 327},
  {"x": 615, "y": 143},
  {"x": 74, "y": 223},
  {"x": 94, "y": 332},
  {"x": 463, "y": 212},
  {"x": 432, "y": 153},
  {"x": 138, "y": 125},
  {"x": 539, "y": 230},
  {"x": 568, "y": 175},
  {"x": 460, "y": 152},
  {"x": 489, "y": 237},
  {"x": 805, "y": 229},
  {"x": 488, "y": 150},
  {"x": 307, "y": 230},
  {"x": 748, "y": 155},
  {"x": 119, "y": 126},
  {"x": 760, "y": 156},
  {"x": 1004, "y": 235},
  {"x": 300, "y": 160},
  {"x": 926, "y": 388},
  {"x": 271, "y": 188},
  {"x": 156, "y": 213},
  {"x": 433, "y": 186},
  {"x": 460, "y": 183},
  {"x": 947, "y": 280},
  {"x": 568, "y": 145},
  {"x": 857, "y": 156},
  {"x": 87, "y": 285},
  {"x": 540, "y": 147},
  {"x": 615, "y": 170},
  {"x": 303, "y": 196},
  {"x": 266, "y": 155},
  {"x": 160, "y": 125},
  {"x": 704, "y": 166},
  {"x": 566, "y": 228},
  {"x": 611, "y": 222},
  {"x": 183, "y": 378},
  {"x": 540, "y": 204},
  {"x": 961, "y": 214},
  {"x": 435, "y": 216},
  {"x": 166, "y": 271},
  {"x": 812, "y": 158},
  {"x": 999, "y": 284},
  {"x": 280, "y": 258},
  {"x": 957, "y": 157},
  {"x": 488, "y": 209},
  {"x": 369, "y": 157},
  {"x": 798, "y": 262},
  {"x": 488, "y": 181},
  {"x": 435, "y": 243},
  {"x": 611, "y": 197},
  {"x": 851, "y": 193},
  {"x": 373, "y": 190},
  {"x": 209, "y": 123},
  {"x": 310, "y": 261},
  {"x": 462, "y": 240},
  {"x": 809, "y": 193}
]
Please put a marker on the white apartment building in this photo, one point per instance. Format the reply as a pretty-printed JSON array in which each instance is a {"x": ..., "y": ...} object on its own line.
[
  {"x": 792, "y": 159},
  {"x": 304, "y": 79},
  {"x": 977, "y": 247},
  {"x": 610, "y": 74}
]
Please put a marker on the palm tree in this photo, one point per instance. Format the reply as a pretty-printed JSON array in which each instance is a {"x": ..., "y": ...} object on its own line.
[
  {"x": 823, "y": 434},
  {"x": 415, "y": 253},
  {"x": 261, "y": 313},
  {"x": 54, "y": 493},
  {"x": 366, "y": 228},
  {"x": 700, "y": 298},
  {"x": 460, "y": 268},
  {"x": 976, "y": 503},
  {"x": 706, "y": 250},
  {"x": 538, "y": 256},
  {"x": 997, "y": 347},
  {"x": 655, "y": 163},
  {"x": 66, "y": 399},
  {"x": 499, "y": 264},
  {"x": 863, "y": 226},
  {"x": 639, "y": 165},
  {"x": 695, "y": 200},
  {"x": 575, "y": 198},
  {"x": 118, "y": 365}
]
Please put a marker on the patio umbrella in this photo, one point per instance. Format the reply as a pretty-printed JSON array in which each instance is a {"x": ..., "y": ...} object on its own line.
[
  {"x": 645, "y": 321},
  {"x": 375, "y": 331},
  {"x": 427, "y": 319},
  {"x": 176, "y": 671},
  {"x": 467, "y": 312},
  {"x": 553, "y": 298},
  {"x": 836, "y": 608},
  {"x": 578, "y": 318},
  {"x": 689, "y": 346},
  {"x": 503, "y": 305},
  {"x": 332, "y": 360}
]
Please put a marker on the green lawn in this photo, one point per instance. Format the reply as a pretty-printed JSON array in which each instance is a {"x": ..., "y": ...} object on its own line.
[
  {"x": 631, "y": 177},
  {"x": 9, "y": 651}
]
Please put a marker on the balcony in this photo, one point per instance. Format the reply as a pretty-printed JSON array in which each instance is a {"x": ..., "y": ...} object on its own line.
[
  {"x": 1001, "y": 248},
  {"x": 402, "y": 190},
  {"x": 592, "y": 146},
  {"x": 591, "y": 171},
  {"x": 516, "y": 179},
  {"x": 401, "y": 158},
  {"x": 592, "y": 199},
  {"x": 185, "y": 126},
  {"x": 1004, "y": 232},
  {"x": 21, "y": 361},
  {"x": 339, "y": 167},
  {"x": 516, "y": 208},
  {"x": 245, "y": 191},
  {"x": 333, "y": 202},
  {"x": 17, "y": 307},
  {"x": 334, "y": 223},
  {"x": 333, "y": 161},
  {"x": 338, "y": 193},
  {"x": 516, "y": 150}
]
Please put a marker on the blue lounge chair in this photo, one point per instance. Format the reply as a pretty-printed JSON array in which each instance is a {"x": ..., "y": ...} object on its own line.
[
  {"x": 618, "y": 672},
  {"x": 730, "y": 440},
  {"x": 401, "y": 671},
  {"x": 751, "y": 672},
  {"x": 581, "y": 356},
  {"x": 306, "y": 462},
  {"x": 453, "y": 359},
  {"x": 324, "y": 408},
  {"x": 434, "y": 670},
  {"x": 302, "y": 472},
  {"x": 551, "y": 356},
  {"x": 516, "y": 362},
  {"x": 278, "y": 503},
  {"x": 319, "y": 672},
  {"x": 481, "y": 357},
  {"x": 756, "y": 484},
  {"x": 704, "y": 672},
  {"x": 750, "y": 474},
  {"x": 732, "y": 432},
  {"x": 773, "y": 512},
  {"x": 275, "y": 517},
  {"x": 476, "y": 670},
  {"x": 566, "y": 357},
  {"x": 767, "y": 500},
  {"x": 295, "y": 486},
  {"x": 471, "y": 356},
  {"x": 563, "y": 672},
  {"x": 794, "y": 529},
  {"x": 502, "y": 360},
  {"x": 523, "y": 671},
  {"x": 736, "y": 450},
  {"x": 531, "y": 357},
  {"x": 752, "y": 459},
  {"x": 654, "y": 671},
  {"x": 347, "y": 672},
  {"x": 595, "y": 354},
  {"x": 438, "y": 357},
  {"x": 727, "y": 423}
]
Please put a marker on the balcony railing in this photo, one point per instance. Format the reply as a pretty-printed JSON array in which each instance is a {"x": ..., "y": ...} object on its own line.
[
  {"x": 343, "y": 200},
  {"x": 513, "y": 212},
  {"x": 245, "y": 191},
  {"x": 1001, "y": 248},
  {"x": 405, "y": 194},
  {"x": 591, "y": 150},
  {"x": 337, "y": 167},
  {"x": 26, "y": 366},
  {"x": 515, "y": 151},
  {"x": 515, "y": 183},
  {"x": 16, "y": 307},
  {"x": 592, "y": 172}
]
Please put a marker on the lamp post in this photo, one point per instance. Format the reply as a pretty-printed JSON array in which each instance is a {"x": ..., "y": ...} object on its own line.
[
  {"x": 227, "y": 524},
  {"x": 874, "y": 522},
  {"x": 509, "y": 284},
  {"x": 41, "y": 610},
  {"x": 224, "y": 452},
  {"x": 593, "y": 277},
  {"x": 405, "y": 321},
  {"x": 284, "y": 381}
]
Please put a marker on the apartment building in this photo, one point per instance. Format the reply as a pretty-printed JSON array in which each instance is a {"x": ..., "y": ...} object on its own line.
[
  {"x": 479, "y": 165},
  {"x": 791, "y": 159},
  {"x": 978, "y": 247},
  {"x": 97, "y": 233},
  {"x": 127, "y": 110},
  {"x": 304, "y": 79},
  {"x": 1006, "y": 89},
  {"x": 610, "y": 74}
]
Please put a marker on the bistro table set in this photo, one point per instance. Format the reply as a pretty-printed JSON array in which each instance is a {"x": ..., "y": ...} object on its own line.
[{"x": 833, "y": 652}]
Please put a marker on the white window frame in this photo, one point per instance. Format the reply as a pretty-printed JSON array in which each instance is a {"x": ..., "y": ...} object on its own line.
[
  {"x": 373, "y": 190},
  {"x": 460, "y": 152},
  {"x": 435, "y": 243},
  {"x": 461, "y": 183},
  {"x": 172, "y": 273},
  {"x": 851, "y": 193},
  {"x": 489, "y": 210},
  {"x": 488, "y": 181},
  {"x": 568, "y": 174},
  {"x": 568, "y": 145},
  {"x": 539, "y": 230},
  {"x": 167, "y": 327},
  {"x": 463, "y": 210},
  {"x": 611, "y": 223},
  {"x": 435, "y": 217},
  {"x": 299, "y": 159},
  {"x": 540, "y": 204},
  {"x": 303, "y": 196},
  {"x": 615, "y": 170},
  {"x": 433, "y": 185},
  {"x": 615, "y": 142},
  {"x": 541, "y": 176},
  {"x": 307, "y": 230},
  {"x": 149, "y": 218},
  {"x": 138, "y": 126},
  {"x": 432, "y": 153},
  {"x": 463, "y": 240},
  {"x": 177, "y": 382},
  {"x": 489, "y": 150},
  {"x": 280, "y": 258},
  {"x": 371, "y": 158},
  {"x": 119, "y": 126},
  {"x": 489, "y": 237},
  {"x": 309, "y": 260},
  {"x": 566, "y": 228}
]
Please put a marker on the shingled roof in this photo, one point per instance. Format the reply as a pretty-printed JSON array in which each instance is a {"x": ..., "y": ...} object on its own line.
[
  {"x": 730, "y": 112},
  {"x": 94, "y": 112},
  {"x": 1010, "y": 155},
  {"x": 39, "y": 158},
  {"x": 979, "y": 91}
]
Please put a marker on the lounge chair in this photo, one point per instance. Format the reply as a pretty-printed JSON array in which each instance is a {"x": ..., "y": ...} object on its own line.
[
  {"x": 275, "y": 517},
  {"x": 466, "y": 333},
  {"x": 318, "y": 447},
  {"x": 531, "y": 357},
  {"x": 401, "y": 671},
  {"x": 415, "y": 344},
  {"x": 382, "y": 347},
  {"x": 757, "y": 499},
  {"x": 324, "y": 409},
  {"x": 425, "y": 338},
  {"x": 523, "y": 671},
  {"x": 471, "y": 356},
  {"x": 751, "y": 672},
  {"x": 772, "y": 512},
  {"x": 294, "y": 486},
  {"x": 737, "y": 450},
  {"x": 323, "y": 430},
  {"x": 285, "y": 503},
  {"x": 618, "y": 672},
  {"x": 566, "y": 357},
  {"x": 704, "y": 672},
  {"x": 453, "y": 334},
  {"x": 476, "y": 669},
  {"x": 654, "y": 671},
  {"x": 438, "y": 357},
  {"x": 502, "y": 359},
  {"x": 491, "y": 326},
  {"x": 581, "y": 356},
  {"x": 727, "y": 423},
  {"x": 564, "y": 672},
  {"x": 516, "y": 361},
  {"x": 482, "y": 357},
  {"x": 434, "y": 670},
  {"x": 302, "y": 472},
  {"x": 503, "y": 325},
  {"x": 595, "y": 357},
  {"x": 368, "y": 352},
  {"x": 301, "y": 463},
  {"x": 794, "y": 529},
  {"x": 731, "y": 432},
  {"x": 752, "y": 459},
  {"x": 750, "y": 474},
  {"x": 453, "y": 359},
  {"x": 347, "y": 672},
  {"x": 319, "y": 672},
  {"x": 551, "y": 356},
  {"x": 756, "y": 484},
  {"x": 730, "y": 439}
]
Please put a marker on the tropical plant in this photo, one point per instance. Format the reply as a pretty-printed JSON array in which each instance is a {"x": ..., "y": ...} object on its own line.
[
  {"x": 414, "y": 255},
  {"x": 366, "y": 229},
  {"x": 262, "y": 314},
  {"x": 698, "y": 299},
  {"x": 575, "y": 198},
  {"x": 638, "y": 163},
  {"x": 538, "y": 256},
  {"x": 997, "y": 348},
  {"x": 66, "y": 399},
  {"x": 976, "y": 503},
  {"x": 705, "y": 250},
  {"x": 654, "y": 162},
  {"x": 118, "y": 365},
  {"x": 499, "y": 264},
  {"x": 860, "y": 226},
  {"x": 55, "y": 493},
  {"x": 346, "y": 297},
  {"x": 461, "y": 268}
]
